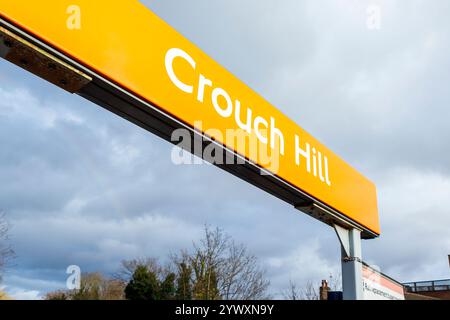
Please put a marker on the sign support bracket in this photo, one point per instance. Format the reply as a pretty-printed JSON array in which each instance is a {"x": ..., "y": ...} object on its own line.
[{"x": 352, "y": 281}]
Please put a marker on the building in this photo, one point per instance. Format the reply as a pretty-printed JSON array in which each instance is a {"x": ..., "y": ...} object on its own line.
[{"x": 439, "y": 289}]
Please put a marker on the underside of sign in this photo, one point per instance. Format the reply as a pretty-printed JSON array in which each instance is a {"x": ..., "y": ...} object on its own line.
[
  {"x": 23, "y": 53},
  {"x": 28, "y": 51}
]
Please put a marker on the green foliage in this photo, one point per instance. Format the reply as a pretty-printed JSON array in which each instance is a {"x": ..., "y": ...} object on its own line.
[
  {"x": 184, "y": 287},
  {"x": 167, "y": 287},
  {"x": 205, "y": 285},
  {"x": 143, "y": 285}
]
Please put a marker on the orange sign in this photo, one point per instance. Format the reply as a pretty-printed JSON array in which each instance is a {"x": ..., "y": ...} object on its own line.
[{"x": 128, "y": 44}]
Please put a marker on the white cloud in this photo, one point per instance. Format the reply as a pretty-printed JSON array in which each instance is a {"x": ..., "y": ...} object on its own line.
[
  {"x": 22, "y": 103},
  {"x": 22, "y": 287},
  {"x": 20, "y": 294},
  {"x": 415, "y": 238},
  {"x": 306, "y": 263}
]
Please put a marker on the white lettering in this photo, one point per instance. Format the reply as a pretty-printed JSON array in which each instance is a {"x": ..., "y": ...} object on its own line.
[
  {"x": 261, "y": 121},
  {"x": 170, "y": 57},
  {"x": 276, "y": 132},
  {"x": 244, "y": 126},
  {"x": 219, "y": 92},
  {"x": 305, "y": 153},
  {"x": 201, "y": 87}
]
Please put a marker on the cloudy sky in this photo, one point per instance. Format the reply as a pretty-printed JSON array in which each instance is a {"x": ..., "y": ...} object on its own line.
[{"x": 82, "y": 186}]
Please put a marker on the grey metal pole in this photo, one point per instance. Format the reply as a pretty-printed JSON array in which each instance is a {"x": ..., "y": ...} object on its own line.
[{"x": 352, "y": 281}]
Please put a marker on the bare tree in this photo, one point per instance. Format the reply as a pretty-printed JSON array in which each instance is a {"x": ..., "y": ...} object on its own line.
[
  {"x": 6, "y": 252},
  {"x": 219, "y": 264},
  {"x": 129, "y": 266},
  {"x": 243, "y": 278},
  {"x": 216, "y": 268},
  {"x": 308, "y": 292},
  {"x": 335, "y": 282},
  {"x": 292, "y": 293}
]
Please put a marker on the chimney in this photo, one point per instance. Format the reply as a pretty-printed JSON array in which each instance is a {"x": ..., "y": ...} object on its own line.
[{"x": 324, "y": 290}]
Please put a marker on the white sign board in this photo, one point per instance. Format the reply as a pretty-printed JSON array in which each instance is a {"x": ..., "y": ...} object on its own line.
[{"x": 377, "y": 286}]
